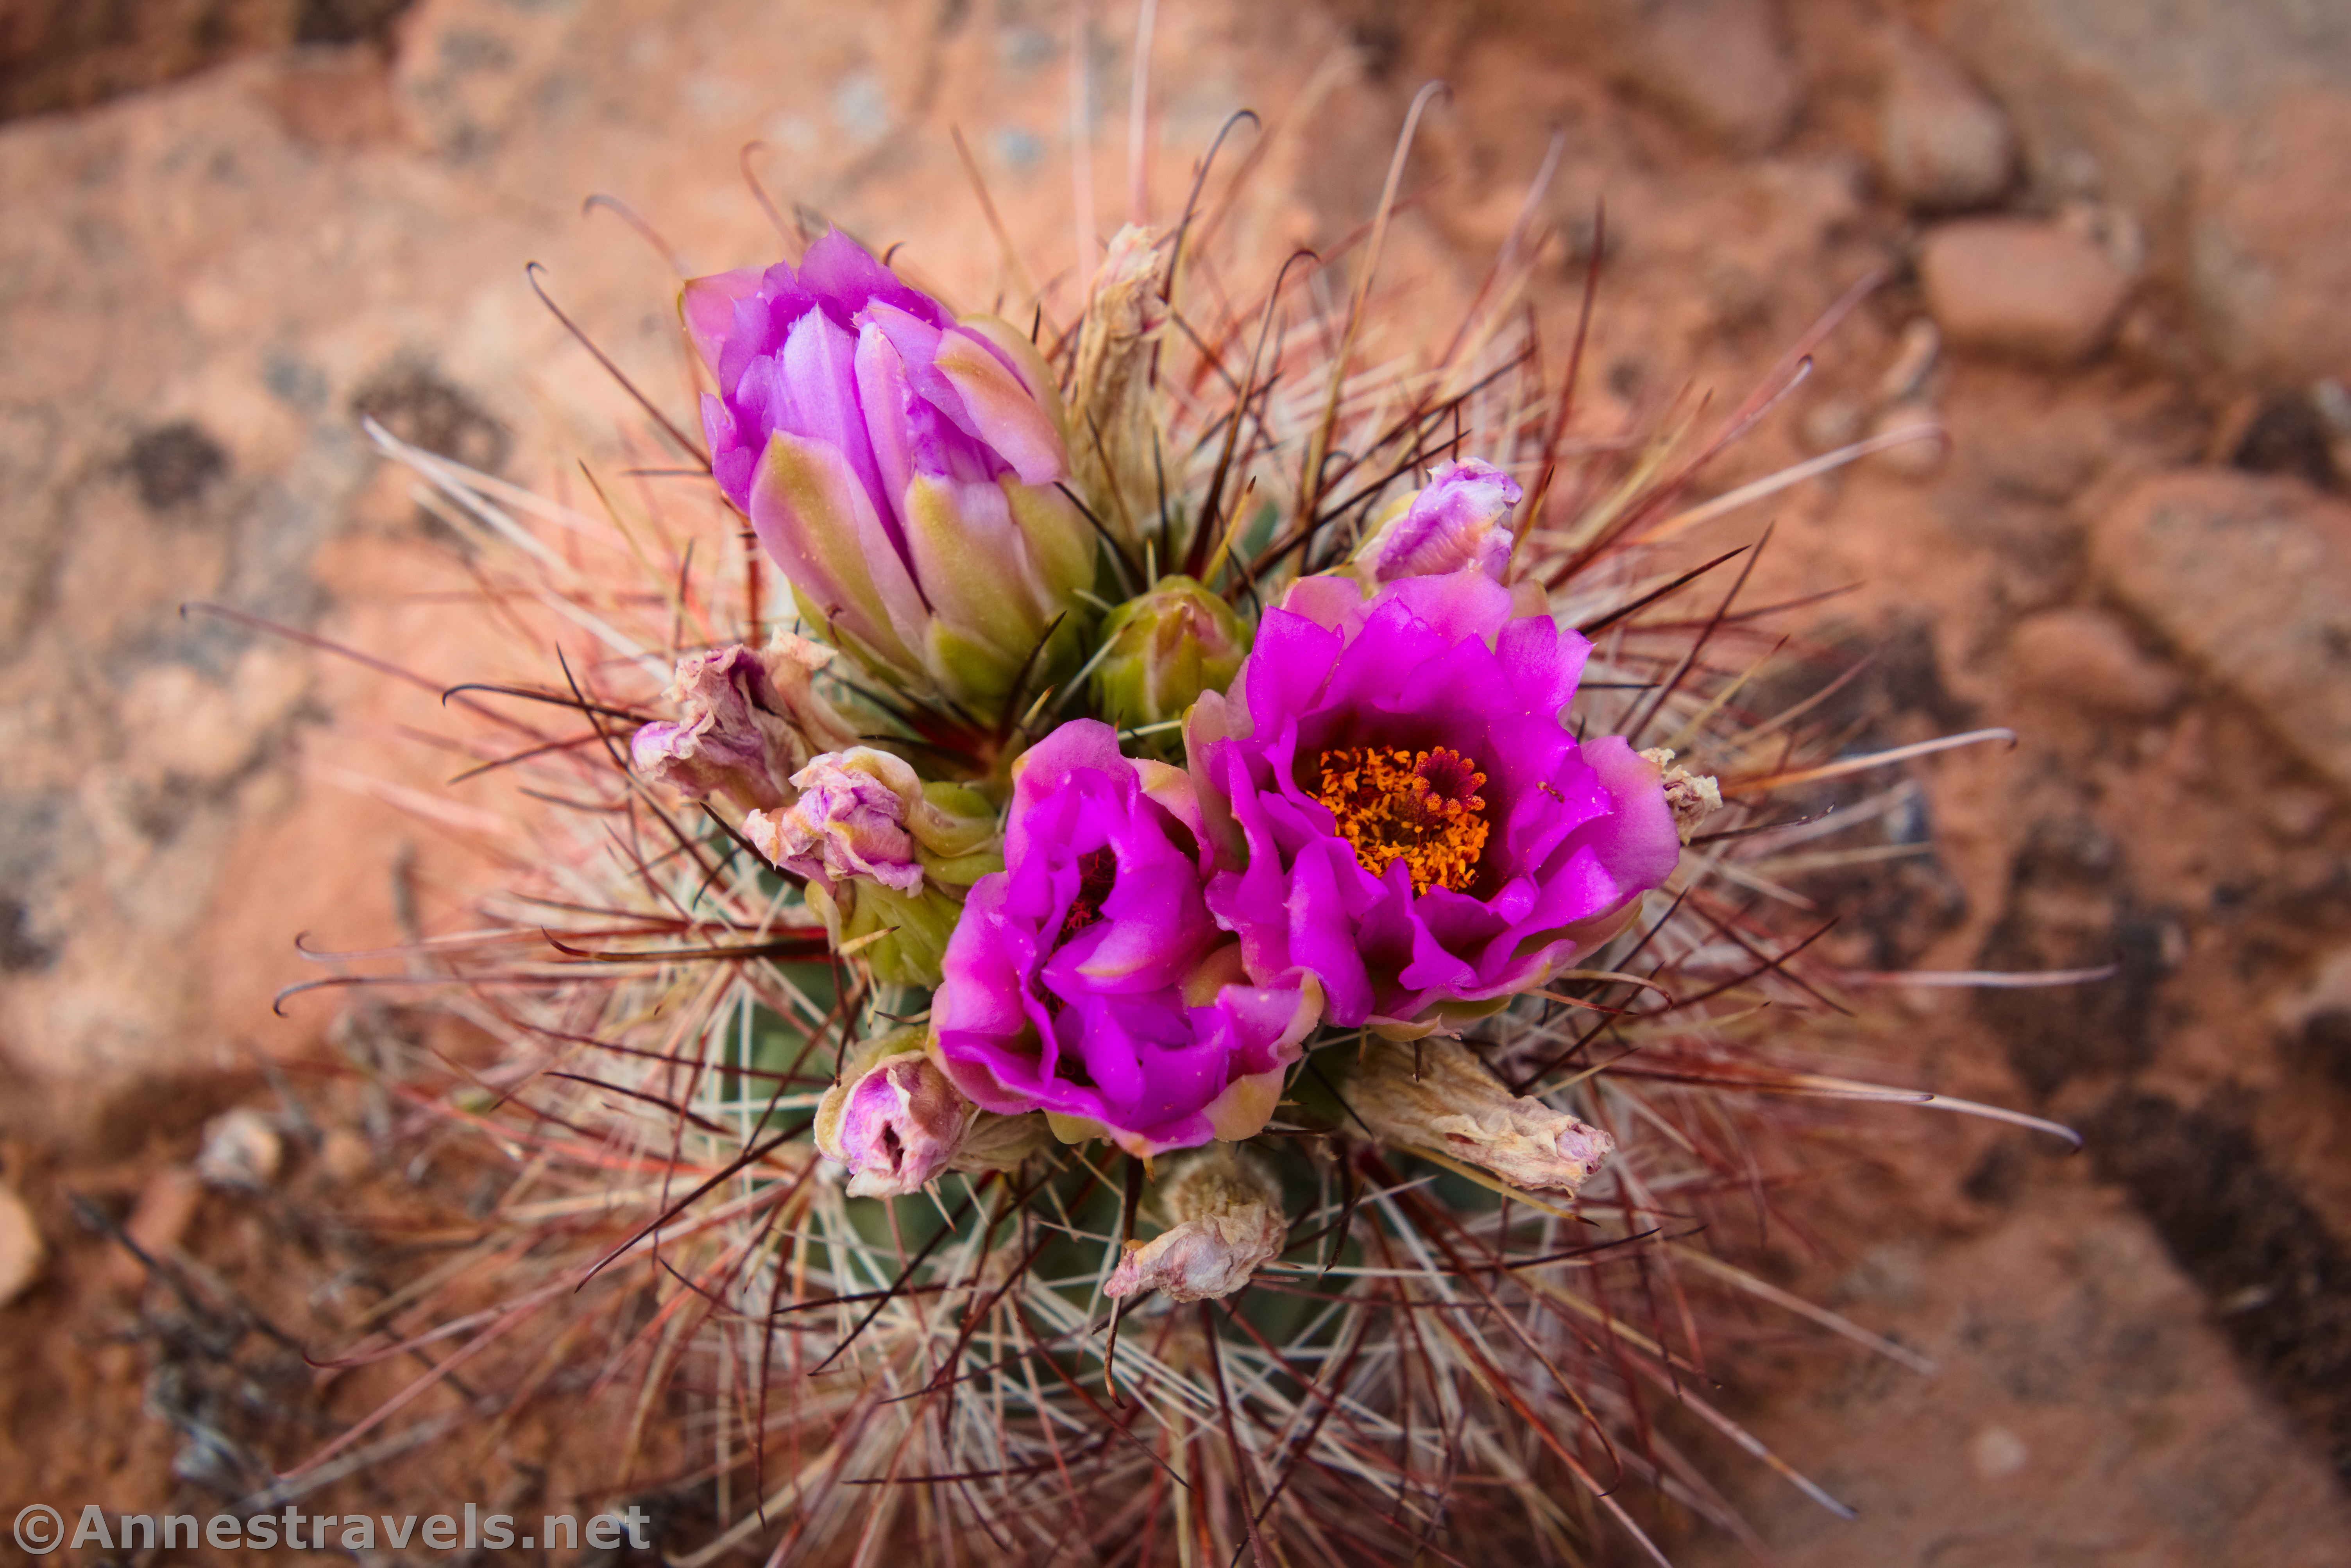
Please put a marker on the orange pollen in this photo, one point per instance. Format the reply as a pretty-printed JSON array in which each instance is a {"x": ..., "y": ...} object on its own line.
[{"x": 1419, "y": 807}]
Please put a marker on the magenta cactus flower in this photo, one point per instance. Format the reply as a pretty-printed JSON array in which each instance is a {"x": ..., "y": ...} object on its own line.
[
  {"x": 900, "y": 466},
  {"x": 1414, "y": 826},
  {"x": 1461, "y": 517},
  {"x": 1087, "y": 978}
]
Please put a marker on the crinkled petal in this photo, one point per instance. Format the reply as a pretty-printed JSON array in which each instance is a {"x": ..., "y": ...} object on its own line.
[
  {"x": 1088, "y": 979},
  {"x": 1460, "y": 519}
]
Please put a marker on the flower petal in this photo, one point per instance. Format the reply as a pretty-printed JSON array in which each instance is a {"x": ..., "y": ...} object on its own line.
[
  {"x": 818, "y": 523},
  {"x": 1004, "y": 412},
  {"x": 707, "y": 306}
]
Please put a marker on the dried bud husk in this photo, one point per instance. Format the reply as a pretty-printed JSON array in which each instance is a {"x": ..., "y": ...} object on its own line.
[
  {"x": 1224, "y": 1209},
  {"x": 1435, "y": 1096},
  {"x": 1164, "y": 649},
  {"x": 993, "y": 1142},
  {"x": 1111, "y": 433},
  {"x": 748, "y": 720},
  {"x": 1691, "y": 796},
  {"x": 898, "y": 1121}
]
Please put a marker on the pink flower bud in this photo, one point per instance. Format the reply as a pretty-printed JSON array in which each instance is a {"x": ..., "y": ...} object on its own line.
[
  {"x": 850, "y": 820},
  {"x": 896, "y": 1127},
  {"x": 1462, "y": 518},
  {"x": 901, "y": 466},
  {"x": 1226, "y": 1210},
  {"x": 1435, "y": 1096}
]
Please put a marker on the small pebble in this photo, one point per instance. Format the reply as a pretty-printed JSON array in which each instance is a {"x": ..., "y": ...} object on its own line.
[
  {"x": 2040, "y": 291},
  {"x": 1914, "y": 356},
  {"x": 345, "y": 1156},
  {"x": 166, "y": 1207},
  {"x": 1943, "y": 143},
  {"x": 1998, "y": 1453},
  {"x": 243, "y": 1150},
  {"x": 1723, "y": 67},
  {"x": 1918, "y": 458},
  {"x": 1832, "y": 422},
  {"x": 2089, "y": 656},
  {"x": 2296, "y": 811},
  {"x": 21, "y": 1252}
]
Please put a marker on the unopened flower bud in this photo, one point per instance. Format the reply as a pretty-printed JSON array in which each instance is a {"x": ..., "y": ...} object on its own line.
[
  {"x": 1461, "y": 518},
  {"x": 748, "y": 719},
  {"x": 1224, "y": 1209},
  {"x": 1110, "y": 455},
  {"x": 1691, "y": 796},
  {"x": 1165, "y": 649},
  {"x": 1435, "y": 1096},
  {"x": 903, "y": 466}
]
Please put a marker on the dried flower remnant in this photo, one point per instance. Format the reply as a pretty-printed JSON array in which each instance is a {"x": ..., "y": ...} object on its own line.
[
  {"x": 1225, "y": 1221},
  {"x": 901, "y": 466},
  {"x": 898, "y": 1123},
  {"x": 1691, "y": 796},
  {"x": 1435, "y": 1096},
  {"x": 850, "y": 820},
  {"x": 1112, "y": 455},
  {"x": 748, "y": 719}
]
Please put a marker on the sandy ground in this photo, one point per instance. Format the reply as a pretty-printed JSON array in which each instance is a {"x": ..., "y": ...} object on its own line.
[{"x": 2145, "y": 1350}]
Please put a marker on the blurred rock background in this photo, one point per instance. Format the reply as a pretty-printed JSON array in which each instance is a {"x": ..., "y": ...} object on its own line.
[{"x": 2117, "y": 239}]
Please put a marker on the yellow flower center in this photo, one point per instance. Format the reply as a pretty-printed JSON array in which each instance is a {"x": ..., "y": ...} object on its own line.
[{"x": 1420, "y": 807}]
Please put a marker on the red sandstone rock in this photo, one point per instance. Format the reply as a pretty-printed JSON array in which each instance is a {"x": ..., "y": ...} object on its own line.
[
  {"x": 2022, "y": 287},
  {"x": 2087, "y": 656},
  {"x": 20, "y": 1248},
  {"x": 2249, "y": 576},
  {"x": 2220, "y": 124},
  {"x": 2270, "y": 240},
  {"x": 1942, "y": 142}
]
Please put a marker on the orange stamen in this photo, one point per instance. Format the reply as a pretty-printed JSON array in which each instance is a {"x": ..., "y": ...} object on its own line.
[{"x": 1420, "y": 807}]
